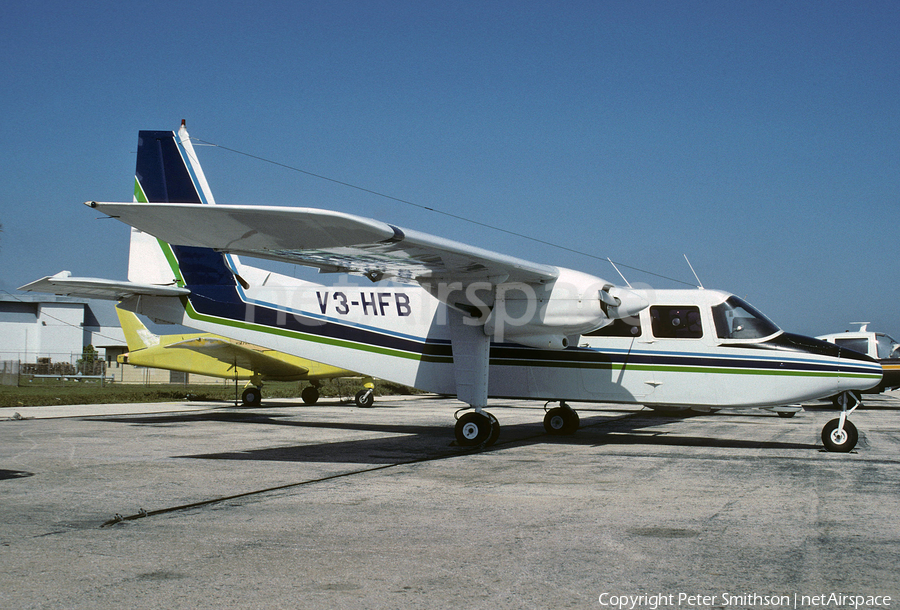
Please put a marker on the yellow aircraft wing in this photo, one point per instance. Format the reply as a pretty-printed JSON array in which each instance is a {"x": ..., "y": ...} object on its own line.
[{"x": 243, "y": 356}]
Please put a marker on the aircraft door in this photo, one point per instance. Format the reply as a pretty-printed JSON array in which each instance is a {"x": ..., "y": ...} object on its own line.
[
  {"x": 619, "y": 371},
  {"x": 683, "y": 355}
]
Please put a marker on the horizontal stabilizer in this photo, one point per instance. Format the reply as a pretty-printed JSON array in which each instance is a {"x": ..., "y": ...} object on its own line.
[
  {"x": 97, "y": 288},
  {"x": 231, "y": 353}
]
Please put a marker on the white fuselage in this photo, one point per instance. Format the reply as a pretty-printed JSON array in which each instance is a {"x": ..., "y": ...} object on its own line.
[{"x": 401, "y": 334}]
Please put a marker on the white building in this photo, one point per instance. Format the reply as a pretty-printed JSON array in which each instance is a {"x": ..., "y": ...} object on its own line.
[
  {"x": 51, "y": 331},
  {"x": 39, "y": 327}
]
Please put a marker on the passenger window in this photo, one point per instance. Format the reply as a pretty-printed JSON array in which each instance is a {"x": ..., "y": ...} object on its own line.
[
  {"x": 857, "y": 345},
  {"x": 676, "y": 322},
  {"x": 624, "y": 327}
]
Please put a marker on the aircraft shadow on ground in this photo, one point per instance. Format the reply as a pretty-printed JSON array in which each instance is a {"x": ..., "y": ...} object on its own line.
[
  {"x": 252, "y": 417},
  {"x": 430, "y": 442},
  {"x": 14, "y": 474}
]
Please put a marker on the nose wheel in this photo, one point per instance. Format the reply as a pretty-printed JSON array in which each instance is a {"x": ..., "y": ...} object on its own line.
[
  {"x": 837, "y": 438},
  {"x": 840, "y": 435}
]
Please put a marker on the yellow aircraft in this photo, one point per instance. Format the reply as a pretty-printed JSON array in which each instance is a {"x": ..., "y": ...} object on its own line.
[{"x": 209, "y": 354}]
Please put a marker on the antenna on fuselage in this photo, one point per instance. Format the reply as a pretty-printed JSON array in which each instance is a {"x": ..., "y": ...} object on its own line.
[
  {"x": 699, "y": 283},
  {"x": 619, "y": 272}
]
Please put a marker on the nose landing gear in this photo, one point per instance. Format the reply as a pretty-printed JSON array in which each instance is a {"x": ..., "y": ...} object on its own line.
[{"x": 840, "y": 435}]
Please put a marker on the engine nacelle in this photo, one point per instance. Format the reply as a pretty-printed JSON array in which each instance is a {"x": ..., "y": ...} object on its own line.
[
  {"x": 625, "y": 303},
  {"x": 549, "y": 315}
]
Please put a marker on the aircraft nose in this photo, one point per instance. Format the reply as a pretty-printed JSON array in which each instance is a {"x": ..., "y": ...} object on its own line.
[{"x": 846, "y": 369}]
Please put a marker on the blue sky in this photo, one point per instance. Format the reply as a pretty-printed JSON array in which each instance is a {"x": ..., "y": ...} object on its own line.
[{"x": 761, "y": 139}]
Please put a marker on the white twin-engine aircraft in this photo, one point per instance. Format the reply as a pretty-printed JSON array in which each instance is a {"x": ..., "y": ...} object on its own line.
[{"x": 456, "y": 320}]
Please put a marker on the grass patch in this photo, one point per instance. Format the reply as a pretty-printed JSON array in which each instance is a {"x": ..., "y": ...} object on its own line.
[{"x": 51, "y": 392}]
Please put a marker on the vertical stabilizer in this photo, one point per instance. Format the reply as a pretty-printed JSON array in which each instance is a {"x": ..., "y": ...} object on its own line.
[
  {"x": 137, "y": 336},
  {"x": 167, "y": 171}
]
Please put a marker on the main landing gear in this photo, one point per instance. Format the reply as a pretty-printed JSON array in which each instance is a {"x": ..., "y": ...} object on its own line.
[
  {"x": 479, "y": 428},
  {"x": 476, "y": 428},
  {"x": 310, "y": 394},
  {"x": 561, "y": 420},
  {"x": 840, "y": 435},
  {"x": 251, "y": 396}
]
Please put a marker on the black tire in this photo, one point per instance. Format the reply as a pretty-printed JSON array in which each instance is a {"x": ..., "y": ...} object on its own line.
[
  {"x": 839, "y": 443},
  {"x": 786, "y": 414},
  {"x": 251, "y": 397},
  {"x": 559, "y": 421},
  {"x": 365, "y": 398},
  {"x": 495, "y": 431},
  {"x": 674, "y": 411},
  {"x": 473, "y": 429},
  {"x": 310, "y": 395}
]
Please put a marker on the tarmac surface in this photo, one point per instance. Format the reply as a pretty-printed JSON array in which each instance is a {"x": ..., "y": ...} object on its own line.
[{"x": 207, "y": 505}]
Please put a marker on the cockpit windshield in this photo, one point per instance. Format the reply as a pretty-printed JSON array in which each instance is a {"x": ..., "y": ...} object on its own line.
[
  {"x": 887, "y": 347},
  {"x": 737, "y": 319}
]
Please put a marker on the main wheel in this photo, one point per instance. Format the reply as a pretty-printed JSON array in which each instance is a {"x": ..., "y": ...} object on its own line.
[
  {"x": 839, "y": 441},
  {"x": 786, "y": 414},
  {"x": 674, "y": 411},
  {"x": 310, "y": 395},
  {"x": 560, "y": 420},
  {"x": 365, "y": 398},
  {"x": 473, "y": 429},
  {"x": 251, "y": 397}
]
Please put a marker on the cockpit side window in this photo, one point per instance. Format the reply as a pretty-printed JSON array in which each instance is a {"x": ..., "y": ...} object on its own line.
[
  {"x": 860, "y": 345},
  {"x": 624, "y": 327},
  {"x": 676, "y": 322},
  {"x": 737, "y": 319}
]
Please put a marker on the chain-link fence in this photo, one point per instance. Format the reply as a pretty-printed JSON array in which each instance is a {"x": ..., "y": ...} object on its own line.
[
  {"x": 9, "y": 372},
  {"x": 13, "y": 372}
]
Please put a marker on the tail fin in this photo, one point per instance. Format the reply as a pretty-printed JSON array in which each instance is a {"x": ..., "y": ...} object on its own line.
[
  {"x": 167, "y": 171},
  {"x": 137, "y": 336}
]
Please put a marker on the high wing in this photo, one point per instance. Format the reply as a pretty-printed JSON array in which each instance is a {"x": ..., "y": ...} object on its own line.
[
  {"x": 95, "y": 288},
  {"x": 330, "y": 241},
  {"x": 241, "y": 356}
]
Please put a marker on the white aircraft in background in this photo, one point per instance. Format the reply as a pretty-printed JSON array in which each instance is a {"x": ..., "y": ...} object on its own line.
[
  {"x": 457, "y": 320},
  {"x": 880, "y": 346}
]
